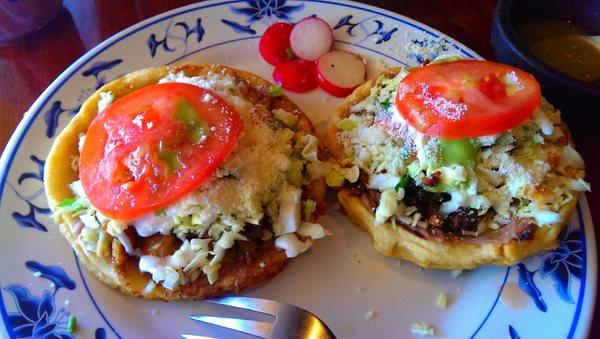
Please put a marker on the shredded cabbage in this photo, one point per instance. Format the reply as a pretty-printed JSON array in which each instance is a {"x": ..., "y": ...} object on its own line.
[
  {"x": 309, "y": 151},
  {"x": 290, "y": 204},
  {"x": 292, "y": 245},
  {"x": 387, "y": 206}
]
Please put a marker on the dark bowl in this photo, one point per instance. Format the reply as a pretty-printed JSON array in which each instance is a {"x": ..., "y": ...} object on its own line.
[{"x": 577, "y": 99}]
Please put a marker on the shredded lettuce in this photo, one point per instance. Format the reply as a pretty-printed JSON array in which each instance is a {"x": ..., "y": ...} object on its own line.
[{"x": 74, "y": 205}]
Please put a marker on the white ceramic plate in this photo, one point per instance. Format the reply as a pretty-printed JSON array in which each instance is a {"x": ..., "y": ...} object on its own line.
[{"x": 341, "y": 279}]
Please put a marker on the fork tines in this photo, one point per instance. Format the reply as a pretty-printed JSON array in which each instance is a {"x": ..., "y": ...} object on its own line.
[
  {"x": 257, "y": 328},
  {"x": 253, "y": 304}
]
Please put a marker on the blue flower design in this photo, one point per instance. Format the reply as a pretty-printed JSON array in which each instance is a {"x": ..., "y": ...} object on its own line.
[
  {"x": 513, "y": 333},
  {"x": 267, "y": 9},
  {"x": 564, "y": 263},
  {"x": 528, "y": 286},
  {"x": 97, "y": 68},
  {"x": 239, "y": 28},
  {"x": 55, "y": 274},
  {"x": 100, "y": 333},
  {"x": 33, "y": 175},
  {"x": 52, "y": 115},
  {"x": 154, "y": 43},
  {"x": 37, "y": 317},
  {"x": 379, "y": 30},
  {"x": 30, "y": 219}
]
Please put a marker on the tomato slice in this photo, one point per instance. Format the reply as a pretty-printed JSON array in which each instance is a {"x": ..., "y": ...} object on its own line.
[
  {"x": 467, "y": 98},
  {"x": 155, "y": 145}
]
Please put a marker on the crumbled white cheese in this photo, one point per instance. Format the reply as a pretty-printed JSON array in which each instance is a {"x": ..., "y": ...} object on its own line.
[
  {"x": 422, "y": 329},
  {"x": 106, "y": 98},
  {"x": 487, "y": 140},
  {"x": 383, "y": 181},
  {"x": 80, "y": 142},
  {"x": 77, "y": 188}
]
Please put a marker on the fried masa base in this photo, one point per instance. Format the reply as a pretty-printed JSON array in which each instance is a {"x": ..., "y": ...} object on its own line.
[
  {"x": 233, "y": 277},
  {"x": 398, "y": 242}
]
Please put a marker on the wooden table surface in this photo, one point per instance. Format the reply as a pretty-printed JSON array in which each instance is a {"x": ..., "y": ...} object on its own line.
[{"x": 28, "y": 66}]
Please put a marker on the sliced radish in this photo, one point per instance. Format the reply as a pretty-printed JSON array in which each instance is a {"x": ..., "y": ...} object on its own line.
[
  {"x": 340, "y": 72},
  {"x": 274, "y": 45},
  {"x": 310, "y": 38},
  {"x": 296, "y": 75}
]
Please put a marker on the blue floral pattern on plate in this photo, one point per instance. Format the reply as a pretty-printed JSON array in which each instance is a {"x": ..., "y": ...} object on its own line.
[
  {"x": 562, "y": 264},
  {"x": 38, "y": 317},
  {"x": 184, "y": 33},
  {"x": 30, "y": 220},
  {"x": 374, "y": 30},
  {"x": 528, "y": 286},
  {"x": 95, "y": 70},
  {"x": 267, "y": 11}
]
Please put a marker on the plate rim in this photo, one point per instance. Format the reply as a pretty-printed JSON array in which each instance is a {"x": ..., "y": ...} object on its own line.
[{"x": 30, "y": 116}]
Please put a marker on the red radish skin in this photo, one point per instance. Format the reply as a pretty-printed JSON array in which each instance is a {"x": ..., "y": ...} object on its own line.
[
  {"x": 297, "y": 75},
  {"x": 310, "y": 38},
  {"x": 274, "y": 45},
  {"x": 340, "y": 72}
]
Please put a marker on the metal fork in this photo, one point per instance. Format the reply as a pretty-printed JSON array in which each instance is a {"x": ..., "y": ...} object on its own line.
[{"x": 290, "y": 321}]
